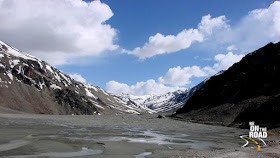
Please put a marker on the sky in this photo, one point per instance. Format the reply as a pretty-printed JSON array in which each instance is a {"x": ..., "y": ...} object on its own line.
[{"x": 140, "y": 47}]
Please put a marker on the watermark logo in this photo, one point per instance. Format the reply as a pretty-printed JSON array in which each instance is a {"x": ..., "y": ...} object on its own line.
[{"x": 255, "y": 132}]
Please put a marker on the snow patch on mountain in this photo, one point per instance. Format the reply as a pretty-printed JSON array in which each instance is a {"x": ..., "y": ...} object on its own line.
[
  {"x": 15, "y": 52},
  {"x": 52, "y": 87},
  {"x": 17, "y": 68},
  {"x": 168, "y": 102}
]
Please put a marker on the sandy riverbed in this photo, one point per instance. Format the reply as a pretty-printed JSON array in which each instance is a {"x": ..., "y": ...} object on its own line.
[{"x": 121, "y": 136}]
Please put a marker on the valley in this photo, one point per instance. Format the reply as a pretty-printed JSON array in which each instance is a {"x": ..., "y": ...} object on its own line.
[
  {"x": 120, "y": 136},
  {"x": 46, "y": 113}
]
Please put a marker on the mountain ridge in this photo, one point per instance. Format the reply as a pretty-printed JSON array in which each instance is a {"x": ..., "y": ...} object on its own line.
[
  {"x": 165, "y": 103},
  {"x": 248, "y": 91},
  {"x": 31, "y": 85}
]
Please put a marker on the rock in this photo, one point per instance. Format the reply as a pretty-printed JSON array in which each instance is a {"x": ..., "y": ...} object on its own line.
[{"x": 160, "y": 116}]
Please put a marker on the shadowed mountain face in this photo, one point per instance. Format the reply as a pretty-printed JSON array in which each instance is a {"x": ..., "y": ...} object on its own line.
[
  {"x": 28, "y": 84},
  {"x": 247, "y": 91}
]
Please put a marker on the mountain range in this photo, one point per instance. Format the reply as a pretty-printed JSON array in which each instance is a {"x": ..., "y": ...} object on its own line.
[
  {"x": 248, "y": 91},
  {"x": 166, "y": 103},
  {"x": 28, "y": 84}
]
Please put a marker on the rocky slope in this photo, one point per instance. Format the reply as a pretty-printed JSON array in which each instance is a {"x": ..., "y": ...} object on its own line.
[
  {"x": 28, "y": 84},
  {"x": 247, "y": 91},
  {"x": 171, "y": 101},
  {"x": 168, "y": 102}
]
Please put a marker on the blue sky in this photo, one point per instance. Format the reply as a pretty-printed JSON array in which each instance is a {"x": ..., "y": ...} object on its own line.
[{"x": 186, "y": 41}]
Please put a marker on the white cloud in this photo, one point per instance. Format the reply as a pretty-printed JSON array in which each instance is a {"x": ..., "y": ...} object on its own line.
[
  {"x": 178, "y": 76},
  {"x": 231, "y": 48},
  {"x": 77, "y": 77},
  {"x": 54, "y": 58},
  {"x": 69, "y": 27},
  {"x": 160, "y": 44},
  {"x": 253, "y": 31},
  {"x": 208, "y": 25},
  {"x": 224, "y": 61},
  {"x": 140, "y": 88}
]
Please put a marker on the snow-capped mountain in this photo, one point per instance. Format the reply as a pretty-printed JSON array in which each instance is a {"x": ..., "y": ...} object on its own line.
[
  {"x": 28, "y": 84},
  {"x": 168, "y": 102},
  {"x": 171, "y": 101},
  {"x": 134, "y": 101}
]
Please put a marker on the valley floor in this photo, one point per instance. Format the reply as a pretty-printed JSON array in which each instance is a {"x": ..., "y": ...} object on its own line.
[{"x": 122, "y": 136}]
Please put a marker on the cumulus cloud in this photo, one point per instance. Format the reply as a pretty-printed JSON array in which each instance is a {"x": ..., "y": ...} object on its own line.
[
  {"x": 140, "y": 88},
  {"x": 68, "y": 27},
  {"x": 209, "y": 25},
  {"x": 160, "y": 44},
  {"x": 254, "y": 30},
  {"x": 78, "y": 77},
  {"x": 224, "y": 61},
  {"x": 178, "y": 76},
  {"x": 54, "y": 58}
]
